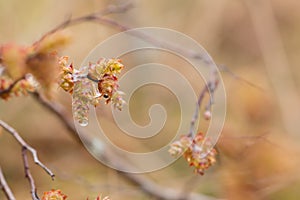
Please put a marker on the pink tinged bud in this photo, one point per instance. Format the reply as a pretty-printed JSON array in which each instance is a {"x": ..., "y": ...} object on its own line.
[{"x": 207, "y": 115}]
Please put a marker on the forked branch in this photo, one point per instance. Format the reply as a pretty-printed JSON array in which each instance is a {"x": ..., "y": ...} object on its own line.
[{"x": 25, "y": 147}]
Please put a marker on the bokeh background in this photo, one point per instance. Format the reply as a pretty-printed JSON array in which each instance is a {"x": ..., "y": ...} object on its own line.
[{"x": 257, "y": 40}]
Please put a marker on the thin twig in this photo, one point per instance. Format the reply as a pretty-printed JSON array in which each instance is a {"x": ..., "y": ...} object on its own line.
[
  {"x": 196, "y": 113},
  {"x": 5, "y": 188},
  {"x": 207, "y": 88},
  {"x": 26, "y": 147},
  {"x": 224, "y": 68},
  {"x": 22, "y": 142},
  {"x": 28, "y": 175}
]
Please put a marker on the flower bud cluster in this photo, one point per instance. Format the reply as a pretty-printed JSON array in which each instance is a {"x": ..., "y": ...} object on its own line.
[
  {"x": 54, "y": 195},
  {"x": 197, "y": 152},
  {"x": 90, "y": 84}
]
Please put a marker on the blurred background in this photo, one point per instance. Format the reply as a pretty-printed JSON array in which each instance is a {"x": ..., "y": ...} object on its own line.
[{"x": 258, "y": 42}]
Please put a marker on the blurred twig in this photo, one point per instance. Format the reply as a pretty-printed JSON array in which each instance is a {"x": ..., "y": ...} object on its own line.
[
  {"x": 5, "y": 188},
  {"x": 224, "y": 68}
]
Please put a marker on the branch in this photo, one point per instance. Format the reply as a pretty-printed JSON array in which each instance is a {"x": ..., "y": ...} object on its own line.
[
  {"x": 28, "y": 175},
  {"x": 26, "y": 146},
  {"x": 5, "y": 188},
  {"x": 209, "y": 88}
]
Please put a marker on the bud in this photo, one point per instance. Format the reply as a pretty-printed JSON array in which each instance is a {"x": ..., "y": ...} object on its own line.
[
  {"x": 207, "y": 115},
  {"x": 196, "y": 151}
]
